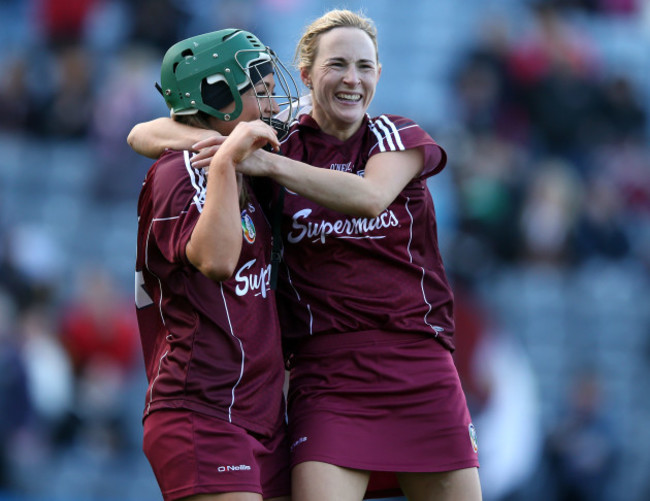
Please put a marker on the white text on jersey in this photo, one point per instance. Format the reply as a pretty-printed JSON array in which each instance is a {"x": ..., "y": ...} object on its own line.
[
  {"x": 251, "y": 282},
  {"x": 341, "y": 227}
]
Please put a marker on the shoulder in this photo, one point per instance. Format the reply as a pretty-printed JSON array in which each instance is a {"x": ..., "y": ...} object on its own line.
[
  {"x": 174, "y": 182},
  {"x": 174, "y": 168},
  {"x": 396, "y": 133}
]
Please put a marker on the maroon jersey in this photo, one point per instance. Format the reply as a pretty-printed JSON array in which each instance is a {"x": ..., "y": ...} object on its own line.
[
  {"x": 211, "y": 347},
  {"x": 347, "y": 274}
]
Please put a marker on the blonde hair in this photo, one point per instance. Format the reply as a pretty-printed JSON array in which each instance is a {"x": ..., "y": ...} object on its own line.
[{"x": 307, "y": 47}]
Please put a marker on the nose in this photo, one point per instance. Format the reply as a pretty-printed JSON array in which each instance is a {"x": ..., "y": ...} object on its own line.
[
  {"x": 269, "y": 106},
  {"x": 351, "y": 76}
]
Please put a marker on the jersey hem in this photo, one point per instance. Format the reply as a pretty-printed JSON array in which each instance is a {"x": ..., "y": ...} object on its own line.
[{"x": 401, "y": 468}]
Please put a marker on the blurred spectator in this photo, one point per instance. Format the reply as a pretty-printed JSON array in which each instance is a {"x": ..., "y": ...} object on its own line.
[
  {"x": 63, "y": 22},
  {"x": 67, "y": 111},
  {"x": 600, "y": 228},
  {"x": 501, "y": 390},
  {"x": 490, "y": 176},
  {"x": 128, "y": 98},
  {"x": 608, "y": 7},
  {"x": 49, "y": 372},
  {"x": 13, "y": 280},
  {"x": 620, "y": 115},
  {"x": 98, "y": 330},
  {"x": 98, "y": 326},
  {"x": 549, "y": 214},
  {"x": 553, "y": 69},
  {"x": 30, "y": 264},
  {"x": 582, "y": 448},
  {"x": 13, "y": 82},
  {"x": 486, "y": 94},
  {"x": 157, "y": 23},
  {"x": 14, "y": 395}
]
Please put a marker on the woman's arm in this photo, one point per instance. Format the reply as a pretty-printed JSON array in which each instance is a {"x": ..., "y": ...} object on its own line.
[
  {"x": 349, "y": 193},
  {"x": 150, "y": 139},
  {"x": 215, "y": 244}
]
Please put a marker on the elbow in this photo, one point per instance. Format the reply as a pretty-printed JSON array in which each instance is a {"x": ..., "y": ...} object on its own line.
[
  {"x": 217, "y": 271},
  {"x": 372, "y": 207},
  {"x": 217, "y": 266},
  {"x": 136, "y": 140},
  {"x": 130, "y": 139}
]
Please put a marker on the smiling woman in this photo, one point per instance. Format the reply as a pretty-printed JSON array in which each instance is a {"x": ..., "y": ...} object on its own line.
[{"x": 342, "y": 76}]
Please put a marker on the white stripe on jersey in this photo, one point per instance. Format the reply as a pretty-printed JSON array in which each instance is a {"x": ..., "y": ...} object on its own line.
[
  {"x": 243, "y": 355},
  {"x": 153, "y": 383},
  {"x": 380, "y": 139},
  {"x": 388, "y": 132},
  {"x": 385, "y": 136},
  {"x": 146, "y": 262},
  {"x": 288, "y": 136},
  {"x": 197, "y": 178},
  {"x": 408, "y": 246},
  {"x": 299, "y": 298},
  {"x": 398, "y": 138},
  {"x": 424, "y": 272}
]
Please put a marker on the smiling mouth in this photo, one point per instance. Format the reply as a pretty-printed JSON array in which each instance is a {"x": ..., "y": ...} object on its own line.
[{"x": 348, "y": 98}]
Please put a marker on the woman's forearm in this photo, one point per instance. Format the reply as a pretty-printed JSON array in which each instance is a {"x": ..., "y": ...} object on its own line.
[
  {"x": 152, "y": 138},
  {"x": 345, "y": 192}
]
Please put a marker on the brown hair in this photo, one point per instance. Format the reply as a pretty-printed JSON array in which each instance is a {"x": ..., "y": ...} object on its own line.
[
  {"x": 201, "y": 120},
  {"x": 308, "y": 43}
]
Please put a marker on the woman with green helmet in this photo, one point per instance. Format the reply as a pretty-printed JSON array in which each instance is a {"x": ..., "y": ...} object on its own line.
[{"x": 214, "y": 416}]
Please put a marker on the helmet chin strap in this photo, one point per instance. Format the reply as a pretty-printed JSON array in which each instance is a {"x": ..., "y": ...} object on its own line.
[{"x": 282, "y": 128}]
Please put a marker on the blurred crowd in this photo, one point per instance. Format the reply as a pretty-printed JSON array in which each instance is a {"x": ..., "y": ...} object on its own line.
[{"x": 549, "y": 150}]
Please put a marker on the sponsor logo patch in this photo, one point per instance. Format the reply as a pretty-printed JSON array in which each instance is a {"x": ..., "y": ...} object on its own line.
[
  {"x": 472, "y": 437},
  {"x": 248, "y": 227}
]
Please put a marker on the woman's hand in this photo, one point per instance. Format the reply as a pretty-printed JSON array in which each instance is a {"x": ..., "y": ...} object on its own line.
[
  {"x": 206, "y": 149},
  {"x": 245, "y": 139}
]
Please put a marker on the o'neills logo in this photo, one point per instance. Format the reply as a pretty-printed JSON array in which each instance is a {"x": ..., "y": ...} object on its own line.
[
  {"x": 341, "y": 228},
  {"x": 241, "y": 467},
  {"x": 253, "y": 280}
]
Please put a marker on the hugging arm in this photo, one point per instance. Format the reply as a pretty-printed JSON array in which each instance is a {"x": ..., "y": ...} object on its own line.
[
  {"x": 215, "y": 244},
  {"x": 150, "y": 139},
  {"x": 386, "y": 175}
]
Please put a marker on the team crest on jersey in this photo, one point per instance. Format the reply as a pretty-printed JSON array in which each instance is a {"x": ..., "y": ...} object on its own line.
[
  {"x": 472, "y": 437},
  {"x": 248, "y": 227}
]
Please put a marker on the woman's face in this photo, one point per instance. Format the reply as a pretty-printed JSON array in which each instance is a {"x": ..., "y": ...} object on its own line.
[
  {"x": 343, "y": 80},
  {"x": 250, "y": 106}
]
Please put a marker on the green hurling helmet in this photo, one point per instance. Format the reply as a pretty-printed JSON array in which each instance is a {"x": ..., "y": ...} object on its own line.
[{"x": 232, "y": 57}]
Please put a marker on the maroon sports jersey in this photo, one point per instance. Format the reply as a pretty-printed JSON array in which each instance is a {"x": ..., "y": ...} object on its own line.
[
  {"x": 348, "y": 274},
  {"x": 211, "y": 347}
]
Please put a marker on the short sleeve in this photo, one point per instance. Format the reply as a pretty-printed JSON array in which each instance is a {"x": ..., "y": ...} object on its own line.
[
  {"x": 178, "y": 198},
  {"x": 395, "y": 133}
]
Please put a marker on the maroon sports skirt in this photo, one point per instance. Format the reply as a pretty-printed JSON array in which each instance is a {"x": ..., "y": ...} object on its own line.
[{"x": 379, "y": 401}]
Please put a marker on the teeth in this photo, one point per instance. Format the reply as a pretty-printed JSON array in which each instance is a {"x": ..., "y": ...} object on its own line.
[{"x": 349, "y": 97}]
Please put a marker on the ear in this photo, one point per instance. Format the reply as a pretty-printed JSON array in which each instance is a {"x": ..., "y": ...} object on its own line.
[{"x": 304, "y": 76}]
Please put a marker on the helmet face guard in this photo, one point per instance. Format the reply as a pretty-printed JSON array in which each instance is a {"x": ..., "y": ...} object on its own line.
[{"x": 232, "y": 57}]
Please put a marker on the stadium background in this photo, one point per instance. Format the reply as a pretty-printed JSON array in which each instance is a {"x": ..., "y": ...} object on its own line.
[{"x": 544, "y": 213}]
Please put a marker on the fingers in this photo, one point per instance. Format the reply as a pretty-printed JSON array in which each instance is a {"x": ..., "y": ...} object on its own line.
[
  {"x": 210, "y": 141},
  {"x": 203, "y": 157},
  {"x": 246, "y": 137}
]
